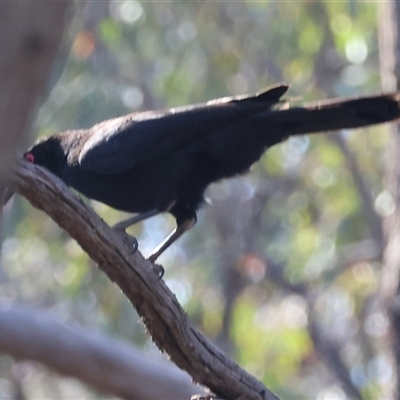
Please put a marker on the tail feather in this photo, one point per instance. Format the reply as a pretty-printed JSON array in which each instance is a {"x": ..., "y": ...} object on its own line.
[{"x": 338, "y": 114}]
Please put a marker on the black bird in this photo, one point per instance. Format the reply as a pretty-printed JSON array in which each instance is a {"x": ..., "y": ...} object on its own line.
[{"x": 162, "y": 161}]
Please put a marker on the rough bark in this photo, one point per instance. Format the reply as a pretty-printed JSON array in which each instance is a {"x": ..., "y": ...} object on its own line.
[{"x": 165, "y": 320}]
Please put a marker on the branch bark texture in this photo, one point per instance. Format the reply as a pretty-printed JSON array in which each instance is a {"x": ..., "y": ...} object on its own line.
[{"x": 165, "y": 320}]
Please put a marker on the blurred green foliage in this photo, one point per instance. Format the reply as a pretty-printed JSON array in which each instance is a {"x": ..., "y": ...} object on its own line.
[{"x": 129, "y": 55}]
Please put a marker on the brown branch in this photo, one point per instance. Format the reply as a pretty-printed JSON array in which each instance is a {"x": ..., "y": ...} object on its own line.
[
  {"x": 106, "y": 364},
  {"x": 165, "y": 320}
]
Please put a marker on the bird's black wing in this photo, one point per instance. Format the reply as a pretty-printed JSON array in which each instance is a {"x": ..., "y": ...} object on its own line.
[{"x": 117, "y": 145}]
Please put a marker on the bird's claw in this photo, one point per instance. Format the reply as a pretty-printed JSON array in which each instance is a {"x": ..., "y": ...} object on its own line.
[
  {"x": 134, "y": 244},
  {"x": 159, "y": 270}
]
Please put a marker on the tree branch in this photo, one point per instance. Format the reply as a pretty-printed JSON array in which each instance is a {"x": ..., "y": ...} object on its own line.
[
  {"x": 165, "y": 320},
  {"x": 106, "y": 364}
]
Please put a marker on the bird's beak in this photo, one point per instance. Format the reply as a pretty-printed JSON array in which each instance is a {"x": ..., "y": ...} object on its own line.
[{"x": 7, "y": 194}]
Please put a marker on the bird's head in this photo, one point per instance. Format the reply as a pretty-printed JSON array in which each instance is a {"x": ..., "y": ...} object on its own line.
[{"x": 47, "y": 153}]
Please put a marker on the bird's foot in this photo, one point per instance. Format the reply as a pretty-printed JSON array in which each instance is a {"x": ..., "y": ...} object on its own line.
[
  {"x": 129, "y": 241},
  {"x": 159, "y": 270}
]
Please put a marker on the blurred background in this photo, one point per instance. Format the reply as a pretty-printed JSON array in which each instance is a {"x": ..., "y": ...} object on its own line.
[{"x": 283, "y": 266}]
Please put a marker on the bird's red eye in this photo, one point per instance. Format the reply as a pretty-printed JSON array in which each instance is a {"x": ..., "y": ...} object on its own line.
[{"x": 30, "y": 157}]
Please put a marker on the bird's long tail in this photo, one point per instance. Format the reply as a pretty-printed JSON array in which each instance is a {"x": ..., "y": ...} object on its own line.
[{"x": 338, "y": 114}]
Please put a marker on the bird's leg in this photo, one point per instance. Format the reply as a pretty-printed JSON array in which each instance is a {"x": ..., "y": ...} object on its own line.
[
  {"x": 182, "y": 227},
  {"x": 123, "y": 225}
]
